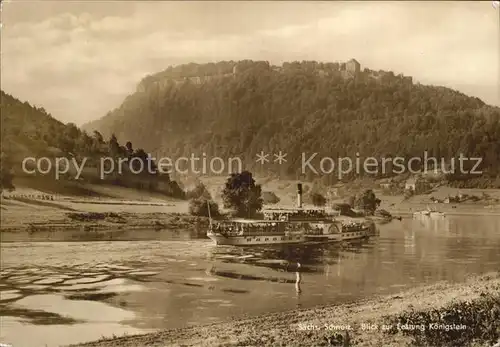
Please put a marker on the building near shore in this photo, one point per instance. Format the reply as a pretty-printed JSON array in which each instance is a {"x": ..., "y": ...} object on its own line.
[{"x": 417, "y": 185}]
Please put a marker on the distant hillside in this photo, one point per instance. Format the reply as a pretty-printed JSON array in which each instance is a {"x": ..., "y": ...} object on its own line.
[
  {"x": 26, "y": 129},
  {"x": 233, "y": 109},
  {"x": 29, "y": 131}
]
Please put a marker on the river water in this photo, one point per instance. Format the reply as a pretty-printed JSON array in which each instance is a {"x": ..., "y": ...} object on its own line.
[{"x": 59, "y": 292}]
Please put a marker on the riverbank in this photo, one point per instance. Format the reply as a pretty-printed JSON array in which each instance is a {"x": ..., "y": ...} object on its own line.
[
  {"x": 23, "y": 215},
  {"x": 106, "y": 221},
  {"x": 407, "y": 210},
  {"x": 454, "y": 307},
  {"x": 399, "y": 205},
  {"x": 28, "y": 210},
  {"x": 111, "y": 207}
]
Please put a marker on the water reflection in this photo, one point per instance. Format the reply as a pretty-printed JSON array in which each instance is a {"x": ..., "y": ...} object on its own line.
[
  {"x": 298, "y": 279},
  {"x": 104, "y": 235},
  {"x": 83, "y": 301},
  {"x": 438, "y": 223},
  {"x": 410, "y": 243},
  {"x": 140, "y": 285}
]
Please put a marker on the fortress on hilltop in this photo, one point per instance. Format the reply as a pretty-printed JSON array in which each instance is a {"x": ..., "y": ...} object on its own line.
[{"x": 345, "y": 70}]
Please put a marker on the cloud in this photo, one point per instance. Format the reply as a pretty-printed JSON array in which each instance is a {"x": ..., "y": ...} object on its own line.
[{"x": 80, "y": 61}]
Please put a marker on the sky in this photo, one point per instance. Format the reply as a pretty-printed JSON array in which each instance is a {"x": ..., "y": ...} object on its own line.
[{"x": 80, "y": 59}]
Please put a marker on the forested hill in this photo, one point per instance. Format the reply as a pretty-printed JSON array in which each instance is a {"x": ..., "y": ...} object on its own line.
[
  {"x": 239, "y": 109},
  {"x": 30, "y": 131},
  {"x": 26, "y": 129}
]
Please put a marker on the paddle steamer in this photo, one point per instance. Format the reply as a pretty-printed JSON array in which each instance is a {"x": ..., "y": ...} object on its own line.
[
  {"x": 286, "y": 226},
  {"x": 243, "y": 232}
]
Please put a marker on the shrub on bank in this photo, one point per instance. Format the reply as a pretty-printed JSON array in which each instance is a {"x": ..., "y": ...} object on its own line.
[
  {"x": 458, "y": 324},
  {"x": 200, "y": 206},
  {"x": 367, "y": 202},
  {"x": 318, "y": 200},
  {"x": 93, "y": 216},
  {"x": 199, "y": 191}
]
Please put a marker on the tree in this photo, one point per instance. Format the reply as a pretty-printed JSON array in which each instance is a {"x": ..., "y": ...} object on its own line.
[
  {"x": 98, "y": 138},
  {"x": 71, "y": 131},
  {"x": 200, "y": 207},
  {"x": 344, "y": 209},
  {"x": 368, "y": 202},
  {"x": 97, "y": 142},
  {"x": 242, "y": 194},
  {"x": 148, "y": 163},
  {"x": 68, "y": 139},
  {"x": 85, "y": 143},
  {"x": 6, "y": 175},
  {"x": 199, "y": 191},
  {"x": 318, "y": 199},
  {"x": 129, "y": 148},
  {"x": 114, "y": 146}
]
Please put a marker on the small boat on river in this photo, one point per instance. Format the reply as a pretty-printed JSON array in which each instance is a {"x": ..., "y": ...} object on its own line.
[{"x": 428, "y": 213}]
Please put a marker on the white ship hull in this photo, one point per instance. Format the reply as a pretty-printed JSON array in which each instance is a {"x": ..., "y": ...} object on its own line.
[
  {"x": 280, "y": 239},
  {"x": 353, "y": 235},
  {"x": 322, "y": 232},
  {"x": 256, "y": 240},
  {"x": 345, "y": 236},
  {"x": 323, "y": 238}
]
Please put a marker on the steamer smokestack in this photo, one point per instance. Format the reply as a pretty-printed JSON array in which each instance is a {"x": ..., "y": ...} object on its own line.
[{"x": 299, "y": 195}]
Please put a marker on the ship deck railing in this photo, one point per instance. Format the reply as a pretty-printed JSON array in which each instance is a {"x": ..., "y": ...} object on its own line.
[{"x": 308, "y": 215}]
